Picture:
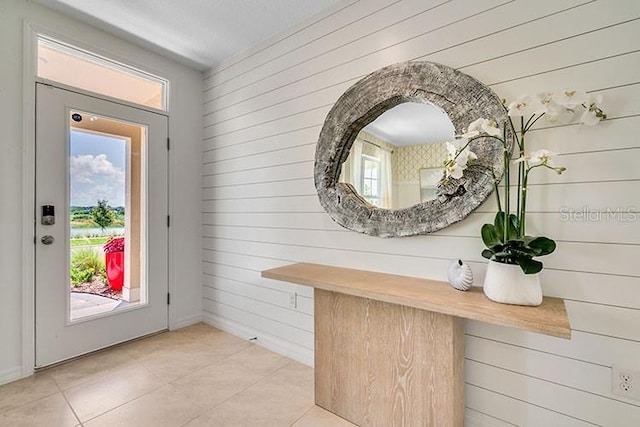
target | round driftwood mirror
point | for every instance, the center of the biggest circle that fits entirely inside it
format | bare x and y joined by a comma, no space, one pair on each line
379,157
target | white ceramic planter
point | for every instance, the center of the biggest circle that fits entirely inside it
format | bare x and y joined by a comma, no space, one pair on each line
507,284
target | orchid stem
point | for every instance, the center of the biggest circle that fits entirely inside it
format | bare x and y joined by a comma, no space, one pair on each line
495,186
529,126
521,176
507,159
525,125
524,203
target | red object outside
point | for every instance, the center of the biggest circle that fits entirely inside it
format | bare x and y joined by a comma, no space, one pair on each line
114,263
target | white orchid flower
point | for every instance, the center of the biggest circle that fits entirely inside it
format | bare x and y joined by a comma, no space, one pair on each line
593,113
559,114
537,157
540,157
570,98
476,125
589,118
520,159
542,103
516,108
563,105
463,158
454,170
458,158
452,150
473,129
482,125
555,112
490,127
523,106
548,106
456,152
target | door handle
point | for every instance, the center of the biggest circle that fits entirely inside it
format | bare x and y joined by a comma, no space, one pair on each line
47,239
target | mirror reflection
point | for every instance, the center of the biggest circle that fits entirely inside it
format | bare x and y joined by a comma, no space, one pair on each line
396,161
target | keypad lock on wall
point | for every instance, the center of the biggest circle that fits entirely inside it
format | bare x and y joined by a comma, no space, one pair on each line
48,215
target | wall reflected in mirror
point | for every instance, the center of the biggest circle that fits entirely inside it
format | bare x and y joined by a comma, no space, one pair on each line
396,161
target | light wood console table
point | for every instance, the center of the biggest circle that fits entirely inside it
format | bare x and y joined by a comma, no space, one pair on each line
389,349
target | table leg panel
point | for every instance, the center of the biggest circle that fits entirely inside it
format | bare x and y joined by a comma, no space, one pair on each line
382,364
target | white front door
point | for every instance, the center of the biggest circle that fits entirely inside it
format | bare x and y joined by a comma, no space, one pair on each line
101,184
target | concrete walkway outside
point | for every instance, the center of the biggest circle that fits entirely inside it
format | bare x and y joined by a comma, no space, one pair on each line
83,305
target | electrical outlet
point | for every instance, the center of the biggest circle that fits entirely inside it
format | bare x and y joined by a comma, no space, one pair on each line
293,300
626,382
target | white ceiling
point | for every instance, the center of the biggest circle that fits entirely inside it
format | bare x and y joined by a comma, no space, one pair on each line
200,33
412,123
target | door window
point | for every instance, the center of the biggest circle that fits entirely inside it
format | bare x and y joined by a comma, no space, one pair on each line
106,225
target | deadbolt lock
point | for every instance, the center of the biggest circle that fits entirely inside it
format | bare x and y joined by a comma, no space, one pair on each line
47,239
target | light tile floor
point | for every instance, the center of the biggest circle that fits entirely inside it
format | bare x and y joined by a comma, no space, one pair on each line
196,376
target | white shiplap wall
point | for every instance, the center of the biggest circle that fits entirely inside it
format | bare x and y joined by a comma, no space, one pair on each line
263,114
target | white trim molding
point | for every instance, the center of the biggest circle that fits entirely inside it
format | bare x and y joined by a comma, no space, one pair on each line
28,198
186,321
270,342
11,374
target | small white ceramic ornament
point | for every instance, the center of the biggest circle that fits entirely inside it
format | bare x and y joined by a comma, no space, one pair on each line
460,275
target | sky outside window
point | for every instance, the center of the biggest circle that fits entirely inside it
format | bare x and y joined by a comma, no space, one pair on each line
97,164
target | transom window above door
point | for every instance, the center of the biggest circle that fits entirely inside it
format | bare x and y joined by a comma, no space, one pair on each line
71,66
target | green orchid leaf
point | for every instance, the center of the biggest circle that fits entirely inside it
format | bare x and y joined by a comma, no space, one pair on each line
512,227
503,256
529,265
497,248
498,222
543,245
490,236
524,251
487,253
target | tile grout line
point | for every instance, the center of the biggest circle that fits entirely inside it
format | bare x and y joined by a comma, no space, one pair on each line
303,415
22,405
138,364
99,376
72,410
240,391
163,384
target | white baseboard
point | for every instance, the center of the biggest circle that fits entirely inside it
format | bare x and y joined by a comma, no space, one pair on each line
305,356
11,374
298,353
186,321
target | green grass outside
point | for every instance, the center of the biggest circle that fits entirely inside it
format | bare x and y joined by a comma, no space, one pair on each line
90,224
89,241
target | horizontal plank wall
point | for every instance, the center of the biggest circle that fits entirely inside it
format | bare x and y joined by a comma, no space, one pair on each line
263,112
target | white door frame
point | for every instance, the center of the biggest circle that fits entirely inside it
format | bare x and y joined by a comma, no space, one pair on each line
30,38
